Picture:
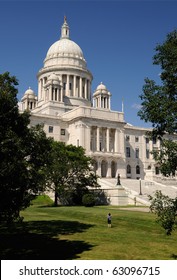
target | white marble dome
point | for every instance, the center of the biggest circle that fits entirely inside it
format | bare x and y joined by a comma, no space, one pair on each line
65,52
65,47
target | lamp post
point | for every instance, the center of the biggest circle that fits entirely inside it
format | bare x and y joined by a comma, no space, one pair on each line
140,187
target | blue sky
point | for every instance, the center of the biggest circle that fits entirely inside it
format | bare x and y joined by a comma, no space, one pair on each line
117,38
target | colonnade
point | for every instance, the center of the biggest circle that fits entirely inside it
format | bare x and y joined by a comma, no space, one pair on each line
102,102
68,85
105,139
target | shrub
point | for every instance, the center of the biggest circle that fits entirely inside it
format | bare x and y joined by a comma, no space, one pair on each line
88,200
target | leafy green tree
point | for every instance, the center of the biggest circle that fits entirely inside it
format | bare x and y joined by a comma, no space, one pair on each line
166,210
166,157
70,173
159,102
23,154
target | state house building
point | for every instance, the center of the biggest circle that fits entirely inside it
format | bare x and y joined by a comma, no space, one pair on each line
72,114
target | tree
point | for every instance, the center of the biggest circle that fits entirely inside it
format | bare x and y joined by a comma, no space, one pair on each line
166,157
166,209
23,154
159,102
70,173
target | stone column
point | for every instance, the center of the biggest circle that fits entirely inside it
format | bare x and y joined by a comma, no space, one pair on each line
87,138
94,139
121,142
85,89
89,91
109,103
61,93
67,85
74,85
116,141
100,102
107,139
82,135
50,93
98,139
40,89
80,87
104,140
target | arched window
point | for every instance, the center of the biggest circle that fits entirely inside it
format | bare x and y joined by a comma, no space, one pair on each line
128,169
104,167
137,169
113,169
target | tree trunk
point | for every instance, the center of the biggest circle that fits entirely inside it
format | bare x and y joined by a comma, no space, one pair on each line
56,199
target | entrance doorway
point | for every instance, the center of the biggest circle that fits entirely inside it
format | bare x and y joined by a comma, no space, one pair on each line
113,169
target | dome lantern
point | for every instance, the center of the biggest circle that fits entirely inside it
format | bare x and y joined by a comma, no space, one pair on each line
65,29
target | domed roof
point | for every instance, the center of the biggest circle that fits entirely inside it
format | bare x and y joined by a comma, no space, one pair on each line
101,87
29,92
65,51
65,47
54,79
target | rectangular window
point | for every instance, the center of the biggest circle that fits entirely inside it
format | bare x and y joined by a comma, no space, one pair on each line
147,153
128,152
137,152
62,131
50,129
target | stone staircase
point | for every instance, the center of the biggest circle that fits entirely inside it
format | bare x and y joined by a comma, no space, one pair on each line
132,190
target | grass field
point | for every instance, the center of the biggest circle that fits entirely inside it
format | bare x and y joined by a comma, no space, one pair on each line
82,233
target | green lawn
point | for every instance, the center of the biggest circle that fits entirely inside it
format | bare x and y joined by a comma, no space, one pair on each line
82,233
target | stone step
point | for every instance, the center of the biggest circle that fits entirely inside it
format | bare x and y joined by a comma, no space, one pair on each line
138,190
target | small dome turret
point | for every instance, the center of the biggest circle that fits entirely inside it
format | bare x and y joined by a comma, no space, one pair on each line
29,99
101,87
53,78
30,93
101,97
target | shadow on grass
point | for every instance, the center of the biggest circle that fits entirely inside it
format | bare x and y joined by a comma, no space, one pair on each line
174,256
41,240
